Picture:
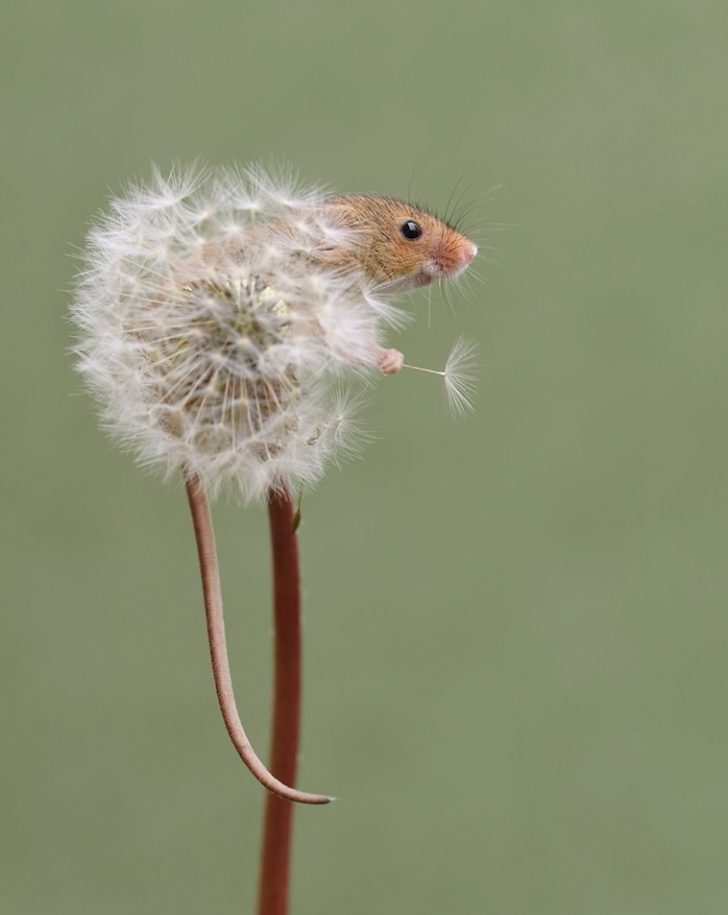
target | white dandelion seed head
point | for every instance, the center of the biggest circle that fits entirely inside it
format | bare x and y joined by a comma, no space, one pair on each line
212,333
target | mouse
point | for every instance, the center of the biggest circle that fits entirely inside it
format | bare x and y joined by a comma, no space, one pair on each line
398,247
392,245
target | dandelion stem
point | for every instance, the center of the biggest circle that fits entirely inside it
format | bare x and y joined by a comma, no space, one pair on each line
278,826
209,571
418,368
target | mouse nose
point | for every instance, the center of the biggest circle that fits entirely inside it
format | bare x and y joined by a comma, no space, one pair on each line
469,252
453,255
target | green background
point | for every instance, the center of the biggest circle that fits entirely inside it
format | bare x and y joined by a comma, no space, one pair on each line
515,623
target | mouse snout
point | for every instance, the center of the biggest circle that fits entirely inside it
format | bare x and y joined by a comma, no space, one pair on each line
455,256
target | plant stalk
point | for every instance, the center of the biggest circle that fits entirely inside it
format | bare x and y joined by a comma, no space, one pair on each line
275,868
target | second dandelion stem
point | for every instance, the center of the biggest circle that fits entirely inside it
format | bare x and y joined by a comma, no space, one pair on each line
278,827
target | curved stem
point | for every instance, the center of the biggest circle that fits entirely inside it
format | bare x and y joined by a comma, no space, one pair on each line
205,537
278,827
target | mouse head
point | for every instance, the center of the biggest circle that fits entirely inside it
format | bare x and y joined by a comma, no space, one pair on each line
397,244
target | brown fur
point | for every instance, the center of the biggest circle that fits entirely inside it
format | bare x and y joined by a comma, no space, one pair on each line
385,255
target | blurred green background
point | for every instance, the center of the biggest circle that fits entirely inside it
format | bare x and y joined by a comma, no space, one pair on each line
515,623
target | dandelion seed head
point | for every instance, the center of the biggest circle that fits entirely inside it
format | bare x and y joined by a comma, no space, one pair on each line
210,337
218,314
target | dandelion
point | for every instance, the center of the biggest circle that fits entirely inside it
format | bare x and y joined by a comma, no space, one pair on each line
212,336
221,316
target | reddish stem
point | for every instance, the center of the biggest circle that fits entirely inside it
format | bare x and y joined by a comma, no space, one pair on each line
274,888
205,537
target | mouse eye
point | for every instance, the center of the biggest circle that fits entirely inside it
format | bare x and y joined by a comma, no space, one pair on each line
411,229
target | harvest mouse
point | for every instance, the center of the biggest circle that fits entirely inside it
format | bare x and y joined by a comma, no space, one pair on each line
399,247
393,245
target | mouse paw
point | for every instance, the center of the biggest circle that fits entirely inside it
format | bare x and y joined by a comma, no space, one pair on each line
390,361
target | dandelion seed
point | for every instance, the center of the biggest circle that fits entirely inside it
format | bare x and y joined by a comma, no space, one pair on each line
460,377
458,374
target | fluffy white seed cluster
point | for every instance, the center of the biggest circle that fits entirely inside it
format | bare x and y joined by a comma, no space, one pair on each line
215,333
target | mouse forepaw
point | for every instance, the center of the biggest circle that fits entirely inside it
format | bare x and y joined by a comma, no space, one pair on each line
390,361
